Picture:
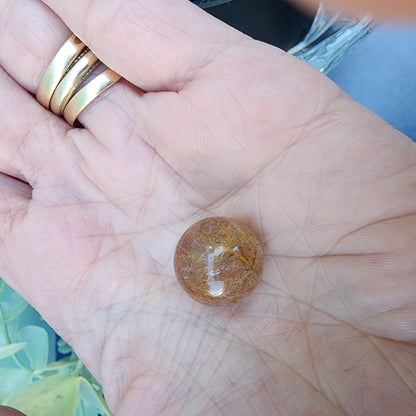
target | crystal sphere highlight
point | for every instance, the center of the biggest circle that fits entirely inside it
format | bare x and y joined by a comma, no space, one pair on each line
218,261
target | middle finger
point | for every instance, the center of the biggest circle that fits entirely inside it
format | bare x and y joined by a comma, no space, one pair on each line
30,36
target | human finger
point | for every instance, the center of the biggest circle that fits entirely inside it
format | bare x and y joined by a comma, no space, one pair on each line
155,44
15,196
29,133
30,37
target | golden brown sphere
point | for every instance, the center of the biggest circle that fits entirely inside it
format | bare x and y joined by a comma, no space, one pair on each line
218,261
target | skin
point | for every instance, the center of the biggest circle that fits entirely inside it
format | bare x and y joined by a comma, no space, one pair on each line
210,123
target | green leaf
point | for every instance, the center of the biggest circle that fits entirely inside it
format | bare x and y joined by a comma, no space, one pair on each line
11,349
13,307
2,284
11,380
52,396
64,348
8,332
85,409
37,346
91,397
62,364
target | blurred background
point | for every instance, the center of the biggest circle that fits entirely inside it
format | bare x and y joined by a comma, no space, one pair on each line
379,71
381,74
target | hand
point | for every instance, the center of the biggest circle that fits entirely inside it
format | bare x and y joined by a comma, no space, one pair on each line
210,123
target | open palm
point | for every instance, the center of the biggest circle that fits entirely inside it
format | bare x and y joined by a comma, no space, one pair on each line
210,123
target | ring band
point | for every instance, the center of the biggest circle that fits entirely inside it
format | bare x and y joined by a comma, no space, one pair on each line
65,57
89,93
71,81
58,89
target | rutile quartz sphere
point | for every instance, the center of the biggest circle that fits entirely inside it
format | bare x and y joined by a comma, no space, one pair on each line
218,261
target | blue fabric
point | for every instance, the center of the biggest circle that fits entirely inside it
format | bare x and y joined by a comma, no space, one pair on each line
381,75
209,3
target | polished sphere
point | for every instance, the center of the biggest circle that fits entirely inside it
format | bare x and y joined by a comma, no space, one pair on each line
218,261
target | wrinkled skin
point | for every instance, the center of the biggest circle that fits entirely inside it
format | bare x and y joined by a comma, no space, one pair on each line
210,123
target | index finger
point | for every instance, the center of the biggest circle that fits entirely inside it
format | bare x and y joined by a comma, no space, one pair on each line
155,44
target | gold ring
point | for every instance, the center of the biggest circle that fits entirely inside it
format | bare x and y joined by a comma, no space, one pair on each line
65,57
89,93
71,81
60,87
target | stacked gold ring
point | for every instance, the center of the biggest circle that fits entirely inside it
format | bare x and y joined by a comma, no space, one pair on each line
59,89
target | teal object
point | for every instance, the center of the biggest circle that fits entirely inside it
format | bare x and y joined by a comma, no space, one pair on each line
32,379
322,41
332,37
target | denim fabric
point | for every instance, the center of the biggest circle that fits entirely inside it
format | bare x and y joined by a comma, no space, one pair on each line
209,3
